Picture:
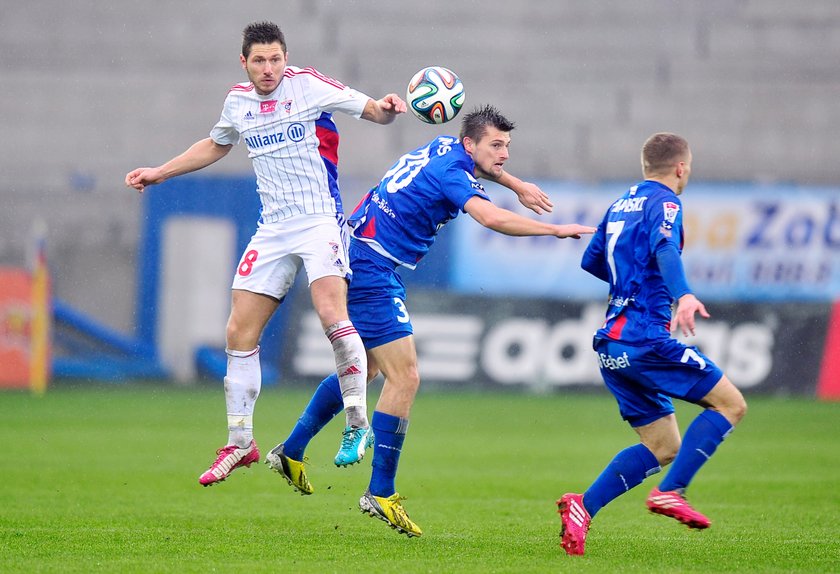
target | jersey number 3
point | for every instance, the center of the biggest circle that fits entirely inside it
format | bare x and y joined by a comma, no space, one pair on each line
402,312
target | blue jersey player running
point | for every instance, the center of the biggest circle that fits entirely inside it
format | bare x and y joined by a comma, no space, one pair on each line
636,249
395,225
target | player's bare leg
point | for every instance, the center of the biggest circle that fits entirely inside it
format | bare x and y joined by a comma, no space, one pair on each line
726,399
662,438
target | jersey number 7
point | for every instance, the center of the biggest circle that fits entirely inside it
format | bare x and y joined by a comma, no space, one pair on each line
614,229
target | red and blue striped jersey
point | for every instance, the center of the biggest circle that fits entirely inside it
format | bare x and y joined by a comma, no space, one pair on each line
423,190
291,139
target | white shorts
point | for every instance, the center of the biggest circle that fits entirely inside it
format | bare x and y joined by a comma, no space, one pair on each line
277,250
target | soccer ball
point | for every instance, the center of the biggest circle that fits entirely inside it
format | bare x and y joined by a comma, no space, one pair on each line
435,95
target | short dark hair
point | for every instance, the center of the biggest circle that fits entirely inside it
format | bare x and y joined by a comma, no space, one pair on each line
663,150
474,125
261,33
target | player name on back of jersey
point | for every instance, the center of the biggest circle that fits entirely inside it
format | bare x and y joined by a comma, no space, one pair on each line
629,204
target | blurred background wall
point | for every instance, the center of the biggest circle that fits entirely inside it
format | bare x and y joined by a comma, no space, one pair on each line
93,89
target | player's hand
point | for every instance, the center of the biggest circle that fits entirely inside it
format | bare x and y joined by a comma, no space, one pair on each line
687,306
574,230
392,104
532,197
143,176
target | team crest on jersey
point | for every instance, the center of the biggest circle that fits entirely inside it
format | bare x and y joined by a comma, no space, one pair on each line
286,105
671,210
268,107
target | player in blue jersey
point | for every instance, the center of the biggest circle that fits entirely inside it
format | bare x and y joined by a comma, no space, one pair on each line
636,249
395,225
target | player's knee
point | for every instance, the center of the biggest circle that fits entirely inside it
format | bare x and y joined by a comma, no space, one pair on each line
667,453
240,337
372,373
329,301
409,378
663,447
331,314
736,411
734,407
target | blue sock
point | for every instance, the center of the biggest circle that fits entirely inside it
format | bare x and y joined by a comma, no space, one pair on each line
627,470
701,440
322,407
390,434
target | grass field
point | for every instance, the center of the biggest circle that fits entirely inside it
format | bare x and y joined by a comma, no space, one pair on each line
104,479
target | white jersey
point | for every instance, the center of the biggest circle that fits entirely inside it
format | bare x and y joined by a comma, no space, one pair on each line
292,140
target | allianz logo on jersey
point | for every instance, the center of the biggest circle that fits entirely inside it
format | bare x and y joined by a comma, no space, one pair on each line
295,132
629,204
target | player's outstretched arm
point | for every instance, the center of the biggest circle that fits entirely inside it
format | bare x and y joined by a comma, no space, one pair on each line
510,223
199,155
529,194
384,110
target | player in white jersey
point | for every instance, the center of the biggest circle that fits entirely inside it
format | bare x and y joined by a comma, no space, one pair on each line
283,115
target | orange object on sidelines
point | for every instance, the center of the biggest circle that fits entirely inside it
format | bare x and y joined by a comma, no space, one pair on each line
39,350
24,328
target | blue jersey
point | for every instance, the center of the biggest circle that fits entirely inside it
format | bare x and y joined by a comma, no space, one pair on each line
623,253
421,192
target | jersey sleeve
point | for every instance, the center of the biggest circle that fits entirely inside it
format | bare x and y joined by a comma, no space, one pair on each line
459,185
664,215
594,261
225,131
333,96
671,267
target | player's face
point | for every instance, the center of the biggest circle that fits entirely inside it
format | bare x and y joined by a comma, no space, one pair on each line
490,152
265,66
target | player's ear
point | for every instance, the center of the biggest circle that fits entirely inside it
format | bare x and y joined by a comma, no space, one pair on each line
243,61
468,144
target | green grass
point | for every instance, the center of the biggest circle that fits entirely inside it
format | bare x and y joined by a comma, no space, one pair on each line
104,479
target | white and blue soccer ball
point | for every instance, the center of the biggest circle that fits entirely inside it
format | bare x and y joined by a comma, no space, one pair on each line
435,95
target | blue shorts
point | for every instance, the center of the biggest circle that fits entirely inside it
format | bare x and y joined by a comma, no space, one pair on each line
376,297
643,379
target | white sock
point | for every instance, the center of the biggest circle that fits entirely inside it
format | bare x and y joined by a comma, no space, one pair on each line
242,387
351,366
